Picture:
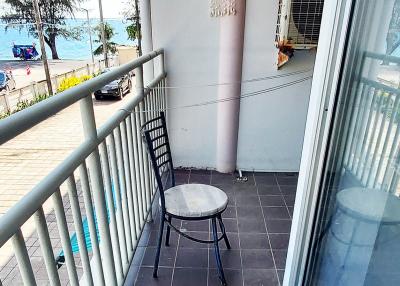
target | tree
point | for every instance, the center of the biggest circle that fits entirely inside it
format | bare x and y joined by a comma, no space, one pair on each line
111,46
134,29
53,14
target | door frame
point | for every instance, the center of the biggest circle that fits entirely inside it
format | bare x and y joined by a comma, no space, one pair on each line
331,47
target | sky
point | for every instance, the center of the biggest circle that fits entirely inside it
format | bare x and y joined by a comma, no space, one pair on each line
111,8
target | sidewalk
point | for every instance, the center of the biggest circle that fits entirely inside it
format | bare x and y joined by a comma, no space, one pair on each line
28,158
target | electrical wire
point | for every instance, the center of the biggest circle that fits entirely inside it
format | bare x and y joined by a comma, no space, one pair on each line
227,99
238,82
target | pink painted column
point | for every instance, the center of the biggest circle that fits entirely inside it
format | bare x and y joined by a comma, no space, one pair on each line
230,71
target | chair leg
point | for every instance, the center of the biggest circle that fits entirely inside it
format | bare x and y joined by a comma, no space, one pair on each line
160,235
168,231
216,251
222,226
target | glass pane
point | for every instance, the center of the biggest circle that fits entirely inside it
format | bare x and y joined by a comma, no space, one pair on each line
357,230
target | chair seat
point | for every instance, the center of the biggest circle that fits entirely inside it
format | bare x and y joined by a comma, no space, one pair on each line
370,204
195,200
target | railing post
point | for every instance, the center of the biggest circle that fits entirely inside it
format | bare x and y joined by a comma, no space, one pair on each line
163,96
21,94
90,133
55,83
33,88
6,100
162,62
140,92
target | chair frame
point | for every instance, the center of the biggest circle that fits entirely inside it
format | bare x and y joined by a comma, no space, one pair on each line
149,129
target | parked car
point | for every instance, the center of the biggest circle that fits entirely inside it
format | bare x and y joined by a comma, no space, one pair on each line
7,81
117,88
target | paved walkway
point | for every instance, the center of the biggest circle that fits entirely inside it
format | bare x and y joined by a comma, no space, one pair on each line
28,158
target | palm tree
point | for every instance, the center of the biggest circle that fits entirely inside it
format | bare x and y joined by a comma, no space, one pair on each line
109,32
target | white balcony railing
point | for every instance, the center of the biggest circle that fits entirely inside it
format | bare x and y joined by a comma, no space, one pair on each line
108,181
372,156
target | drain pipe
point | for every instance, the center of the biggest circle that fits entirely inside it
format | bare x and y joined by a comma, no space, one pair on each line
230,71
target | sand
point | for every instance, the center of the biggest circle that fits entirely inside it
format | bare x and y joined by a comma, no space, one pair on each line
19,69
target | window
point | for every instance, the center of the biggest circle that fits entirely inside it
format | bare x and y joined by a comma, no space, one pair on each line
298,26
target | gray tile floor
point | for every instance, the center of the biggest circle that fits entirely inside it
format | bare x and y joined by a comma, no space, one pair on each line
257,219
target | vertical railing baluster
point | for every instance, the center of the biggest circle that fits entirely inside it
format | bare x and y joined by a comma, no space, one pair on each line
393,117
389,166
383,113
155,113
22,256
396,175
45,245
94,164
123,164
118,250
362,125
163,82
124,143
149,116
371,139
130,222
64,236
87,200
355,145
354,128
147,173
135,191
136,156
77,217
143,156
122,212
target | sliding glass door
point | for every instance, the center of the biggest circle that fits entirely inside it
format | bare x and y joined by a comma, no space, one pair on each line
356,229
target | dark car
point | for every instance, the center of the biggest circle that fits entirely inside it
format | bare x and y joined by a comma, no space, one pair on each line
117,88
7,81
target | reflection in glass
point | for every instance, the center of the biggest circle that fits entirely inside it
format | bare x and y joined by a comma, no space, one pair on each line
357,231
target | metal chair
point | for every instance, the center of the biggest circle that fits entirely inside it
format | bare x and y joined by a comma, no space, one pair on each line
191,202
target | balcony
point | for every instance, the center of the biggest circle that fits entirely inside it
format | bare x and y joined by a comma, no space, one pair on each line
92,219
257,219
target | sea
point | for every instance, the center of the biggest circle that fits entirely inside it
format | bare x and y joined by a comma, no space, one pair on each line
67,48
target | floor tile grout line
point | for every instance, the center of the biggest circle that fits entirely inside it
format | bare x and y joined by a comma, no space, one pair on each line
266,228
280,190
141,259
240,246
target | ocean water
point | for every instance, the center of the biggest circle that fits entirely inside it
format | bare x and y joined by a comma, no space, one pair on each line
67,49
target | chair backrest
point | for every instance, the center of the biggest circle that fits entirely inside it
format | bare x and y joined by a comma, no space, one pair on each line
155,136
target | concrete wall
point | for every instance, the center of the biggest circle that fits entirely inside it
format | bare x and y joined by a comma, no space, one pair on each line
271,125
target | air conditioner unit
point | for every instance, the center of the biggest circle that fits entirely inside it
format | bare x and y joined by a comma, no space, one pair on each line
298,26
